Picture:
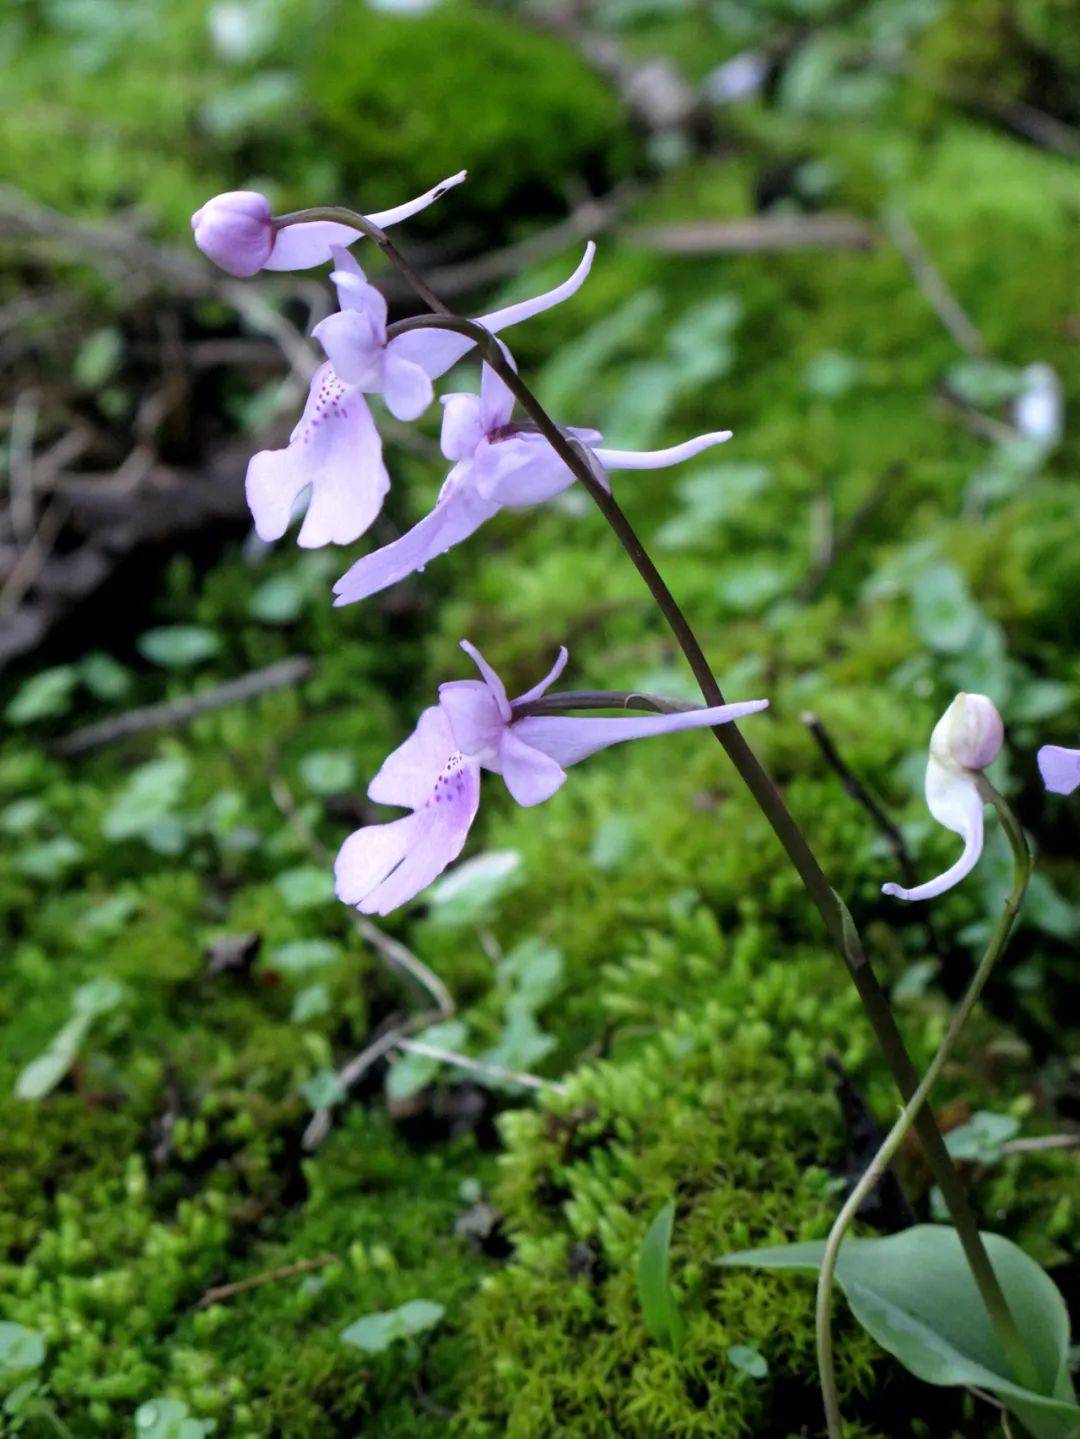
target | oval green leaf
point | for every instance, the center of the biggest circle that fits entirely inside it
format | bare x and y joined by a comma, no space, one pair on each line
913,1292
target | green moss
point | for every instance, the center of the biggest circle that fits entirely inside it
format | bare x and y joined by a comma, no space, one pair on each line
168,1160
318,106
709,1112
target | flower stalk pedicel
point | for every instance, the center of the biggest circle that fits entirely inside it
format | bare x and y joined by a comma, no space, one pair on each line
240,234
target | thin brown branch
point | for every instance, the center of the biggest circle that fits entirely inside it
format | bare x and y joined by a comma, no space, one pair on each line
177,712
932,284
286,1271
854,786
32,559
20,466
497,1072
759,234
1041,1144
838,539
351,1073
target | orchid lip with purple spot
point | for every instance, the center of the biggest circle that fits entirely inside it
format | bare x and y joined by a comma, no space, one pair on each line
436,775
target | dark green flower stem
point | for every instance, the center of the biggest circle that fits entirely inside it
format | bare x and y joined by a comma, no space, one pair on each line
883,1158
833,912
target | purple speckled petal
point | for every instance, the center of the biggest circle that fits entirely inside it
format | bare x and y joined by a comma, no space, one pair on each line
408,775
383,866
354,347
337,451
1060,768
568,739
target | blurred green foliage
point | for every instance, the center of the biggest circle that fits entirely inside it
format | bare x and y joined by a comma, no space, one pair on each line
646,944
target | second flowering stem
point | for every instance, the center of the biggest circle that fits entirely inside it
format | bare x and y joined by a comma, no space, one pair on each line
1016,1355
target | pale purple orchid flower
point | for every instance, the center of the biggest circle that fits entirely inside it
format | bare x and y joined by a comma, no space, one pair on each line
1060,768
497,465
966,739
436,775
237,231
336,448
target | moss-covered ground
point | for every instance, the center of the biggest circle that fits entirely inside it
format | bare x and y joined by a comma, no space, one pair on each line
649,949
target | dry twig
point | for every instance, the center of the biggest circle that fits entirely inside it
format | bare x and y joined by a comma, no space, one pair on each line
932,283
172,713
756,235
854,786
241,1286
497,1072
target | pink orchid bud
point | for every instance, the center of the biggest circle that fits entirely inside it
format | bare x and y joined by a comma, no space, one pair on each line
234,231
969,735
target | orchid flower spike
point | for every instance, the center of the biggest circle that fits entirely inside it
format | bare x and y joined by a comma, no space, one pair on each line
436,775
336,448
496,465
966,739
1060,768
237,231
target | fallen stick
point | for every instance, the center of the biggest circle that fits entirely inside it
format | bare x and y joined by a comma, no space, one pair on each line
755,235
241,1286
178,712
931,282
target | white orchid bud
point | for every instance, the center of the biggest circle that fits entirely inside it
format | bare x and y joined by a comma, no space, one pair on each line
969,735
966,739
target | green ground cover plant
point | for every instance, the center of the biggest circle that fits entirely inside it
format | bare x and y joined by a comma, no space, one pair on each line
685,999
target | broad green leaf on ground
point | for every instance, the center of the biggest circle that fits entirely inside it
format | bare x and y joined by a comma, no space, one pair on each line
522,1045
278,600
147,806
376,1332
305,886
104,677
981,1138
169,1419
178,647
43,695
310,1003
662,1317
913,1292
21,1349
323,1090
328,771
297,956
532,974
748,1360
41,1076
470,892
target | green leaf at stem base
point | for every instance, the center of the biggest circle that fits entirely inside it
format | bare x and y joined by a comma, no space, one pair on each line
913,1292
